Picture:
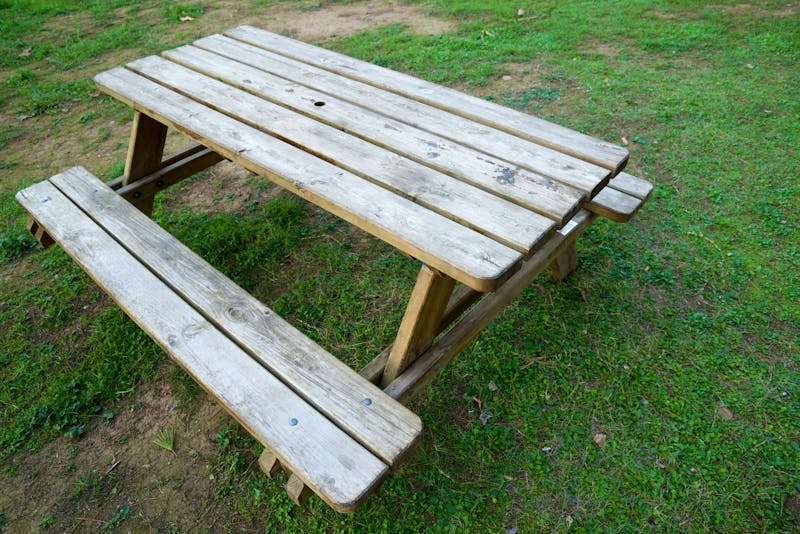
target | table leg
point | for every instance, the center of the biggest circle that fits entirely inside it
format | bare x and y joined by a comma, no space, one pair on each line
565,263
145,151
421,321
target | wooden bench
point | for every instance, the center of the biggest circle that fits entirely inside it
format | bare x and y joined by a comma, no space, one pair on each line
336,432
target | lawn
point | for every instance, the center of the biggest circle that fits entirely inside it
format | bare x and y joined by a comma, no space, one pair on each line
677,338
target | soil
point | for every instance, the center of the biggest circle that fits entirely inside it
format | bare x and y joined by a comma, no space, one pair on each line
117,469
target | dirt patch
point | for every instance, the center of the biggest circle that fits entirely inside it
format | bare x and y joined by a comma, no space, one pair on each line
316,21
83,484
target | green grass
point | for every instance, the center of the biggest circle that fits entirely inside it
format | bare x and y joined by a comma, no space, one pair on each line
691,307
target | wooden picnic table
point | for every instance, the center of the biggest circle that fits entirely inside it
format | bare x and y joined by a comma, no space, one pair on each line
484,196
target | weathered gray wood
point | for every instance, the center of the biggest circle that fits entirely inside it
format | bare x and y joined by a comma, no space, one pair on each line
385,427
421,321
463,254
502,220
569,141
145,151
499,146
490,173
175,157
614,204
632,185
430,363
298,491
333,464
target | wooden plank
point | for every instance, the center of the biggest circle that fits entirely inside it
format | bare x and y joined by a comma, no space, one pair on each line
564,264
430,364
636,187
463,254
385,427
187,153
421,321
495,217
614,204
528,189
462,298
337,467
441,127
145,151
169,175
563,139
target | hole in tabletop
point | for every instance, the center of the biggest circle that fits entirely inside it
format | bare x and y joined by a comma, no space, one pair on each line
319,103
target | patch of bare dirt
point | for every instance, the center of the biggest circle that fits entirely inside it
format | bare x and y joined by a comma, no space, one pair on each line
321,20
83,484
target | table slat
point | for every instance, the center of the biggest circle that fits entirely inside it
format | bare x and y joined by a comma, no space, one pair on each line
463,254
518,185
499,219
563,139
454,128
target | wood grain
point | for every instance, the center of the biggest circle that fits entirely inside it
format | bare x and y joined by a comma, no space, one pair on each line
385,427
440,127
563,139
334,465
460,252
491,215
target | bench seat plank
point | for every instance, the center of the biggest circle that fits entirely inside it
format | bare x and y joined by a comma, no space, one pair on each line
333,464
441,127
387,428
445,245
546,133
491,215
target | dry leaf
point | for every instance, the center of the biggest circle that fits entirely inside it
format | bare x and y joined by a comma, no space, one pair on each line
520,12
600,440
750,66
186,18
493,386
725,413
624,140
25,53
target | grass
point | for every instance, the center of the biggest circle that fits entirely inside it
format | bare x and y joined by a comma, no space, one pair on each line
677,338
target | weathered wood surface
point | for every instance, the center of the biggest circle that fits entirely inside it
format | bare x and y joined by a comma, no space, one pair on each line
498,218
145,150
428,365
328,460
622,198
462,253
387,428
418,121
563,139
421,321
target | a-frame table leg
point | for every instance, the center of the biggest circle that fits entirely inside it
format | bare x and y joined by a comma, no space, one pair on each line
421,321
145,151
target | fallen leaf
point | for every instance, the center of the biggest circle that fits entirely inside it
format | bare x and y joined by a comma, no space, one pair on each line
624,140
186,18
660,463
600,440
569,520
25,53
520,12
750,66
493,386
477,401
725,413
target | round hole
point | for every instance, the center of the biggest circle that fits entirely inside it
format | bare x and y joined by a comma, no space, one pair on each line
319,103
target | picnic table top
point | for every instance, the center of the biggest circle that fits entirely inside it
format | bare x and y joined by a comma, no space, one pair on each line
469,187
